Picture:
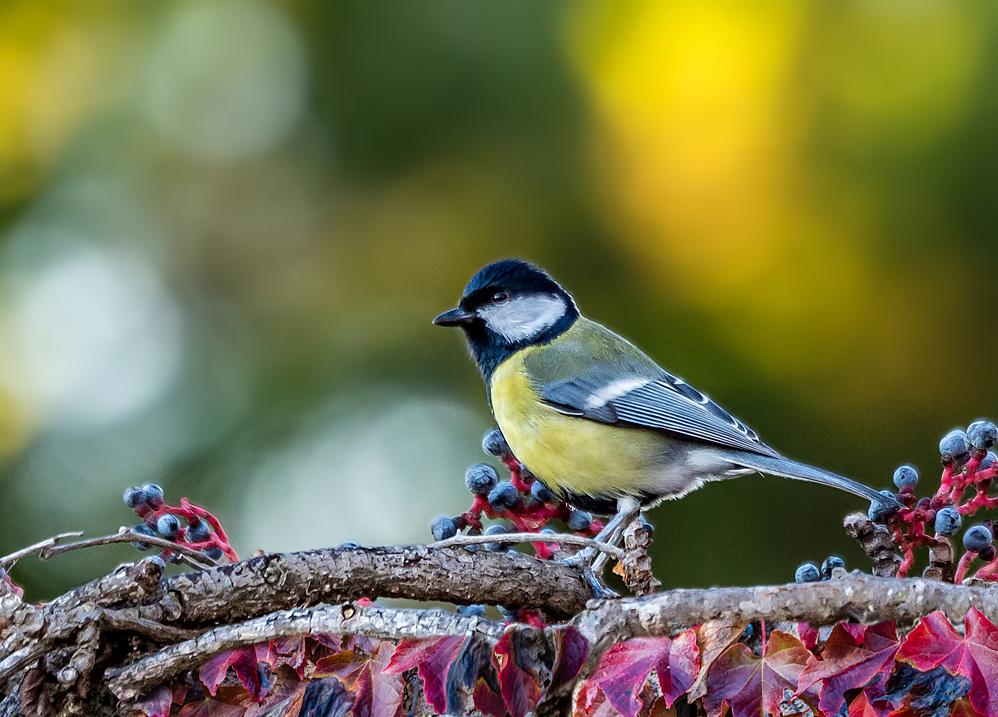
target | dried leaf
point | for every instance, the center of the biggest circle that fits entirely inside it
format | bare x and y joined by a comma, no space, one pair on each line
923,694
524,661
326,697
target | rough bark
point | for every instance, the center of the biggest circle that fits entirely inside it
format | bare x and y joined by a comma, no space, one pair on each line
98,647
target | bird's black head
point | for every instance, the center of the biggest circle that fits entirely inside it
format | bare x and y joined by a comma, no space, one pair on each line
506,306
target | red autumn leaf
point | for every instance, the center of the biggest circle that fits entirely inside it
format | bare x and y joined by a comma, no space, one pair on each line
376,694
573,649
475,673
291,650
227,702
962,708
433,657
808,635
267,652
158,703
752,685
519,657
326,697
284,699
861,707
624,669
600,707
243,662
713,638
333,641
851,659
488,701
934,643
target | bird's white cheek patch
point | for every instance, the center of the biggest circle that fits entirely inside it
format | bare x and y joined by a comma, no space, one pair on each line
523,317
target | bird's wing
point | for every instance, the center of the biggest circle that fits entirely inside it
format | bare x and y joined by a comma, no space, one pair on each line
616,383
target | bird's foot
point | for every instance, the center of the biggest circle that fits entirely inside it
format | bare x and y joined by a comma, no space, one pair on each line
584,560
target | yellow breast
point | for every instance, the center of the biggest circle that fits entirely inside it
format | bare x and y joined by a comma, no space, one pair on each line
569,453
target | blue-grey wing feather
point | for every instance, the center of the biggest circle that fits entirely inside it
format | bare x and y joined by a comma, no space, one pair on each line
665,403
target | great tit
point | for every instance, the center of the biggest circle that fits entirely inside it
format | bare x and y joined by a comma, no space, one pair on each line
591,416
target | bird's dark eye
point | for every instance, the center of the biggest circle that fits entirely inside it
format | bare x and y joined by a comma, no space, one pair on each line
500,296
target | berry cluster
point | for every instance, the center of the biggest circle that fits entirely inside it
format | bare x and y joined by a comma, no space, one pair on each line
523,500
811,573
202,530
968,462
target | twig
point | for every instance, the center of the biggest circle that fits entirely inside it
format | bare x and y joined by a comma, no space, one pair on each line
47,543
127,535
120,621
560,539
140,677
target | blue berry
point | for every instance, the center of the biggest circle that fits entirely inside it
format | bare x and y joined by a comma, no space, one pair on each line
503,496
646,526
830,563
579,521
982,435
807,573
495,445
168,526
443,528
135,496
142,529
541,493
905,475
198,533
988,461
471,610
879,510
215,553
496,547
480,479
954,448
978,538
154,494
948,520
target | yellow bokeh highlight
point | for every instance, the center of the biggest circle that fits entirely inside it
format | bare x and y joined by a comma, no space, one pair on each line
53,57
704,116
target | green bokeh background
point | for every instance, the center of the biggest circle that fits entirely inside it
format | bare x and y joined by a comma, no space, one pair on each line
226,224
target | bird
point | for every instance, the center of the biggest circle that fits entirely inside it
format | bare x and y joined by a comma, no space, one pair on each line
591,416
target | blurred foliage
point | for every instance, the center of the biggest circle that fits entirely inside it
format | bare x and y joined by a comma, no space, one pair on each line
226,224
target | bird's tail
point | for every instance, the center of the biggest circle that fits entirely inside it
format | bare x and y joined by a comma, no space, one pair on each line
786,468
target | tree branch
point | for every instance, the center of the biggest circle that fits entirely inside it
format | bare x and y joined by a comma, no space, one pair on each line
208,612
140,677
854,598
258,586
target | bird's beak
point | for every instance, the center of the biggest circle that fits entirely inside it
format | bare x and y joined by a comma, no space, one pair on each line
454,317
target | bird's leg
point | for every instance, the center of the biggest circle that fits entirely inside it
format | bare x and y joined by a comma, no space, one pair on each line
628,508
